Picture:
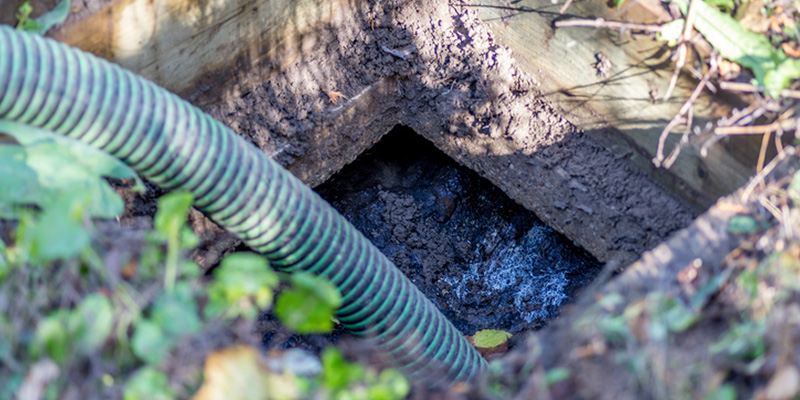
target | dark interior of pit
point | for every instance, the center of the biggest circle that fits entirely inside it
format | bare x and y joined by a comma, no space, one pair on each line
485,261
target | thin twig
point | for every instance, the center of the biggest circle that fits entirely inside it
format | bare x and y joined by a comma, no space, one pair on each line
673,155
786,125
662,140
771,207
565,7
750,88
698,75
602,23
683,49
759,178
741,114
762,153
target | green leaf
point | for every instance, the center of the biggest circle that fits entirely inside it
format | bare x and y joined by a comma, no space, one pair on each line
149,342
59,232
51,338
176,311
53,17
309,305
23,14
337,373
725,392
172,211
91,323
243,281
772,68
60,167
391,385
556,375
794,189
723,4
742,224
248,272
489,338
148,383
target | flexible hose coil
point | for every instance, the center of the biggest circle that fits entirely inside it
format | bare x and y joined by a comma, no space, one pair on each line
46,84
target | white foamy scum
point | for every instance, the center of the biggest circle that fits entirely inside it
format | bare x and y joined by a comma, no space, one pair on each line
535,280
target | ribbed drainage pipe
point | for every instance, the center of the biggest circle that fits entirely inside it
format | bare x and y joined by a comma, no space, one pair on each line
49,85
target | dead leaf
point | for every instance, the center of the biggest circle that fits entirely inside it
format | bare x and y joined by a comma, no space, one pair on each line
791,51
490,343
729,69
129,270
237,373
785,384
40,374
333,96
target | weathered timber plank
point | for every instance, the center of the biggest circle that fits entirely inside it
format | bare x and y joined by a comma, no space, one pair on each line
623,108
194,48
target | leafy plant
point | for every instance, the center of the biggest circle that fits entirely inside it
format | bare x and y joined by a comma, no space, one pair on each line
243,283
58,180
772,68
308,306
42,24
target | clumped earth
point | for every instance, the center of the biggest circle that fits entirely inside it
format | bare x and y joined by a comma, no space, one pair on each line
485,261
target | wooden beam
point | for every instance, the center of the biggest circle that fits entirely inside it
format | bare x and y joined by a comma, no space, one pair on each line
620,102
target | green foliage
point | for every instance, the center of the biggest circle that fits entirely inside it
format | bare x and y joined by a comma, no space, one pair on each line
556,375
725,5
743,341
337,373
489,338
170,224
60,181
148,383
149,342
81,330
55,186
724,392
743,224
243,284
339,378
794,189
173,315
42,24
309,305
773,70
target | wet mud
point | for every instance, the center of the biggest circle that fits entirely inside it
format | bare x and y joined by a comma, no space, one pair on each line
483,259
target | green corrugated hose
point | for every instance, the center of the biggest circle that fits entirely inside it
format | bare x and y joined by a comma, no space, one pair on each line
49,85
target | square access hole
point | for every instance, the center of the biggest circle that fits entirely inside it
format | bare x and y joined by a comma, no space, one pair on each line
484,260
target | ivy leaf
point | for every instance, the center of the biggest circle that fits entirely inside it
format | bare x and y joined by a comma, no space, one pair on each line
556,375
337,373
51,18
91,323
64,234
61,166
170,219
772,68
149,342
51,337
309,305
742,224
490,342
176,311
243,282
148,383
